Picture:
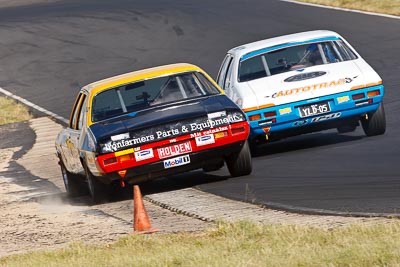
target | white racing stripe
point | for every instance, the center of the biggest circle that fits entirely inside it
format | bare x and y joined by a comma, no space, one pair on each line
32,105
342,9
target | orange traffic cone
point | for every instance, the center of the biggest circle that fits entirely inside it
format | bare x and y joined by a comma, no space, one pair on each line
141,221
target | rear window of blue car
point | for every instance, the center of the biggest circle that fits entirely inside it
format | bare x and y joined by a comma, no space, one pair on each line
152,92
290,58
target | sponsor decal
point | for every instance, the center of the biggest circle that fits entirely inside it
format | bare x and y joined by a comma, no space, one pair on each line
120,137
313,87
177,149
216,114
343,99
156,133
300,123
178,161
117,145
304,76
205,140
284,111
144,154
166,133
211,131
213,123
326,117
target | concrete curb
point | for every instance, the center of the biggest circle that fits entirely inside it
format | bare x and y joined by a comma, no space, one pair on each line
208,207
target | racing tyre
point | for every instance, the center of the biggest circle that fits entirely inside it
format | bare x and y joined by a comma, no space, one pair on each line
97,190
239,164
375,124
72,183
254,148
346,128
215,166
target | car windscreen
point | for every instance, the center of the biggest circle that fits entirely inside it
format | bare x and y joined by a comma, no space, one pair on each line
294,57
152,92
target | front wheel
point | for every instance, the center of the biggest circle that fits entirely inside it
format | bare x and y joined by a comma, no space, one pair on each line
98,191
239,164
375,122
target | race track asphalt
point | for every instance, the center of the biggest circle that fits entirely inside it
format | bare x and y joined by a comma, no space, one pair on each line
49,51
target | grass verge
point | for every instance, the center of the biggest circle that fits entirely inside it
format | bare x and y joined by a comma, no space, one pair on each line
238,244
11,111
391,7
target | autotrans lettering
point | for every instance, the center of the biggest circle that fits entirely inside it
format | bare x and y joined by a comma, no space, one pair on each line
309,88
177,149
175,162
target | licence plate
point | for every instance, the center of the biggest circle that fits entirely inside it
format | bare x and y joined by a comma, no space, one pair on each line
173,150
314,109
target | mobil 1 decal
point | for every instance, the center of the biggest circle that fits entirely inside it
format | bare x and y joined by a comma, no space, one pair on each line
170,130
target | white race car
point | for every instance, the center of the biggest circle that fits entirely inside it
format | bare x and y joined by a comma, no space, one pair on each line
302,83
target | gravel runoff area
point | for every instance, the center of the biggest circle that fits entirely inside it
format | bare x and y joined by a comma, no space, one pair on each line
36,214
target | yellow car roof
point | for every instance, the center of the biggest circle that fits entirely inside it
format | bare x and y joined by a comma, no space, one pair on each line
139,75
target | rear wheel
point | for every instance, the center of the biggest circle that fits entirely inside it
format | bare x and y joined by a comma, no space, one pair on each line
73,184
214,166
375,123
239,164
97,190
253,146
346,128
